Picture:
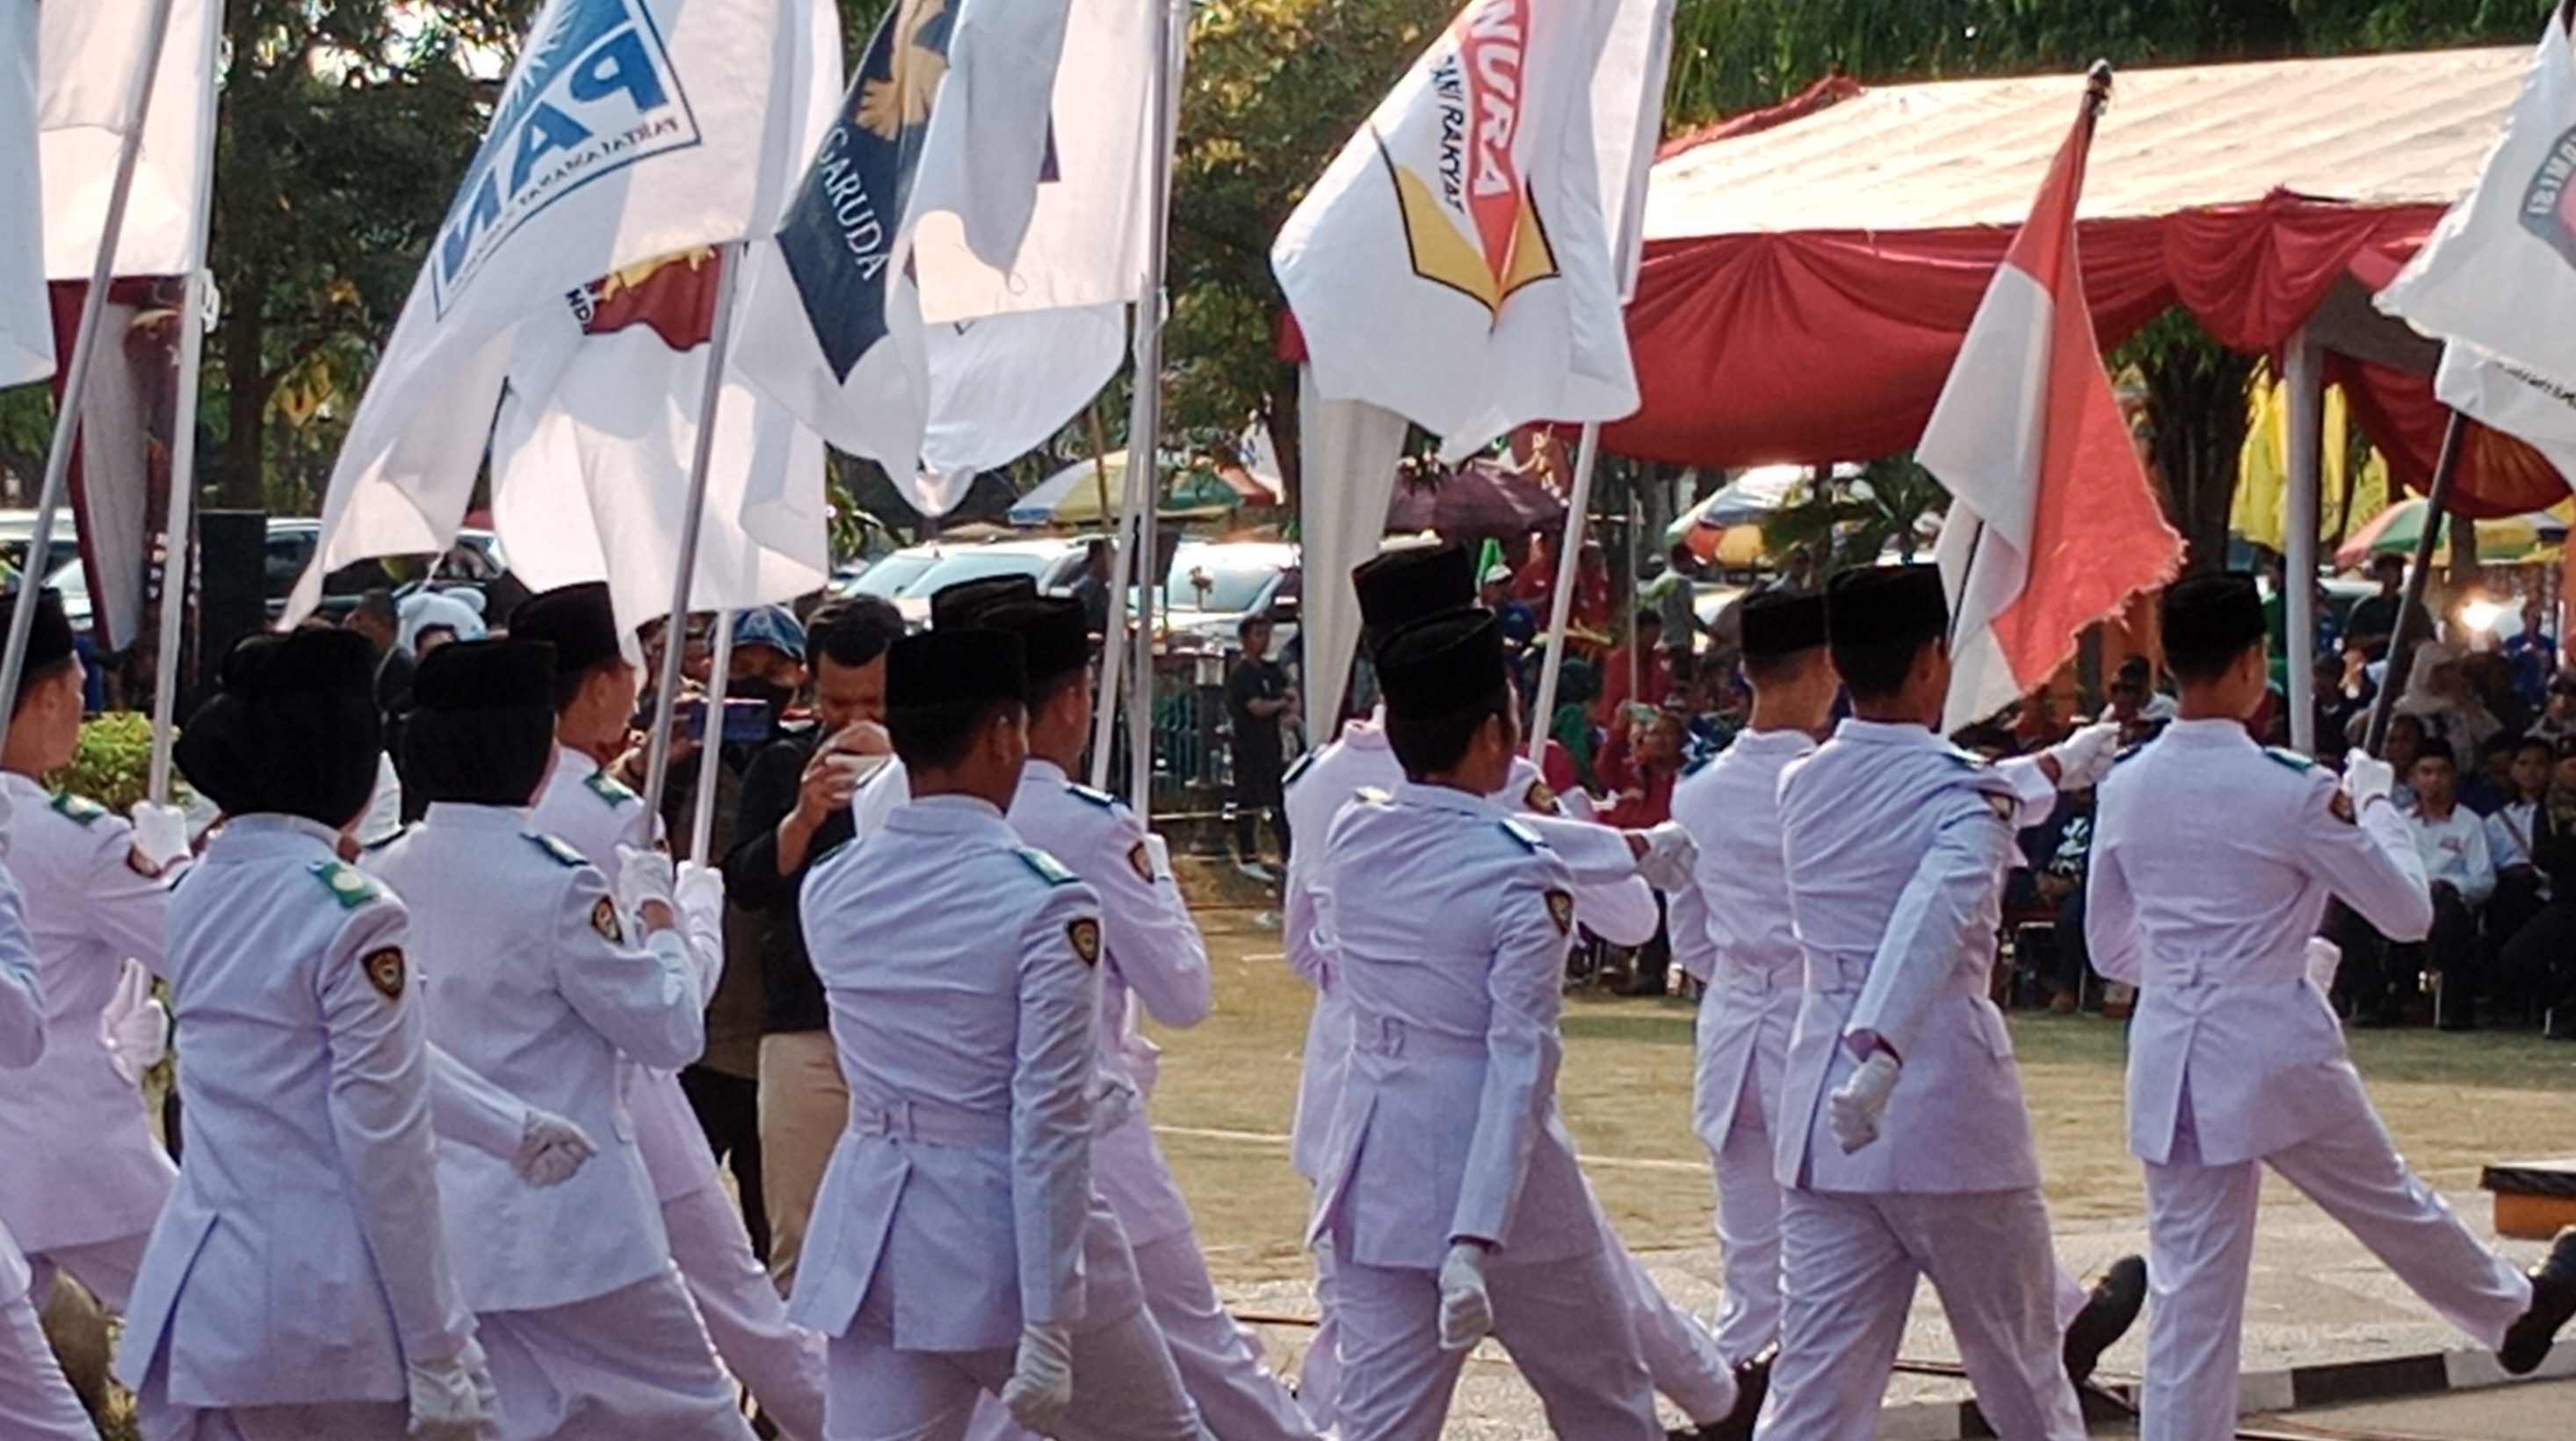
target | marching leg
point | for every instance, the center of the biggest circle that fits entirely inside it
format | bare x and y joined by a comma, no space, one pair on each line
1849,1284
1219,1365
35,1401
1395,1379
1569,1326
1748,1236
2200,1246
781,1365
1988,1255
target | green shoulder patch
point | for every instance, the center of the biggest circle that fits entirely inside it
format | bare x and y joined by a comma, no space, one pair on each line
79,808
1049,869
349,886
1102,799
558,851
1303,763
609,788
2295,761
1528,839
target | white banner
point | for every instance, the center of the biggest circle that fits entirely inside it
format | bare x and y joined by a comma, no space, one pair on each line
26,320
91,49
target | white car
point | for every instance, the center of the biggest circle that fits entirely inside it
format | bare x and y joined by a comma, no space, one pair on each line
1213,585
911,576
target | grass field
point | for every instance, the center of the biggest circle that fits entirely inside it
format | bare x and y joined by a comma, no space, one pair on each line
1229,1088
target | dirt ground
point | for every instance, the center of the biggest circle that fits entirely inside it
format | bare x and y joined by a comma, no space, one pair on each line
1229,1088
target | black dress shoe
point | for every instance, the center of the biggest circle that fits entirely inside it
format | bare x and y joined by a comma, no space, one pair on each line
2553,1302
1752,1383
2107,1316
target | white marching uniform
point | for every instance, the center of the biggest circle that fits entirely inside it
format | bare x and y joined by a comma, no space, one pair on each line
84,1179
36,1403
2212,863
779,1364
1151,955
1447,1127
301,1264
1609,898
530,982
1731,809
958,1205
1896,846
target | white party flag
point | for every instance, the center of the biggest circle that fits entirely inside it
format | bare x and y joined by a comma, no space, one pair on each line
26,320
90,52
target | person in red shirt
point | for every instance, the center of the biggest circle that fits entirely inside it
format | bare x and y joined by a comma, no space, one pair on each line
1652,667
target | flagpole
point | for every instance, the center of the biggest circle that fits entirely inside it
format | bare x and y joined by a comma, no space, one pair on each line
58,458
1560,606
1113,630
1145,419
666,689
702,816
177,528
2437,496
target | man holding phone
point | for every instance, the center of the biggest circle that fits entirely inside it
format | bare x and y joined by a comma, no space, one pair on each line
795,808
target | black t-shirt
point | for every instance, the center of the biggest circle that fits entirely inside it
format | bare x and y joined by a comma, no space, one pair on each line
792,998
1257,740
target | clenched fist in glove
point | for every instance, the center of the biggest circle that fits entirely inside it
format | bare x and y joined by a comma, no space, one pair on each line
1466,1309
447,1402
2085,757
551,1150
1041,1384
2367,778
645,883
1856,1109
160,835
134,1025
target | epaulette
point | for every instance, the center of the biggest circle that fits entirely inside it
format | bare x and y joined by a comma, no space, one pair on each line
380,842
1529,839
609,788
1303,763
349,886
1967,758
1049,869
1102,799
80,809
558,852
2295,761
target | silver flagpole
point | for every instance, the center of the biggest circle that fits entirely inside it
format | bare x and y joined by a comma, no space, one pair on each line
1560,607
1145,420
58,458
178,526
666,689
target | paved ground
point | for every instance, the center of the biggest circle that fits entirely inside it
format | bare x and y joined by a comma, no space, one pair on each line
2541,1411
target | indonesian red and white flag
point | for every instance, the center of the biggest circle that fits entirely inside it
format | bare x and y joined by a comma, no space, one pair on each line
2052,523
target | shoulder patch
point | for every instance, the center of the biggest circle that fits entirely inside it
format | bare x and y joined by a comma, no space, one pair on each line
2339,806
1540,799
1084,934
1528,839
603,919
1140,859
1102,799
2295,761
350,887
2002,805
386,971
1049,869
79,808
609,788
558,851
1304,763
1560,909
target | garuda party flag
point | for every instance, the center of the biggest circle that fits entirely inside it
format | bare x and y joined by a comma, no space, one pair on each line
26,326
2052,523
1457,262
629,130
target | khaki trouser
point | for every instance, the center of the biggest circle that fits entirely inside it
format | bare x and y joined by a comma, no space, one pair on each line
804,1104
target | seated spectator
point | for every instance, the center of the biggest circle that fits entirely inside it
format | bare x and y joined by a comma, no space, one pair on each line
2539,960
2453,843
1519,623
1644,656
2373,621
2487,679
2437,694
2558,718
2532,652
2336,705
2486,789
2140,709
2521,890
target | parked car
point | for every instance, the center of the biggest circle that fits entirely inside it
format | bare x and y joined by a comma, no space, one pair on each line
17,527
475,561
1051,563
1213,585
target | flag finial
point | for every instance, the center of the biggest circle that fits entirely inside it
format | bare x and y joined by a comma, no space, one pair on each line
2097,86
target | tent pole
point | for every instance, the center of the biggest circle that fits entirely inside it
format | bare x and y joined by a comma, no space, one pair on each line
2304,376
58,457
702,815
2436,496
666,687
1560,606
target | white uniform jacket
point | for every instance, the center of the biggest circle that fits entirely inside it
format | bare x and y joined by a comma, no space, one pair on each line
1450,920
531,982
589,810
1731,808
82,1165
1150,954
960,969
1897,845
22,1042
302,1257
2212,862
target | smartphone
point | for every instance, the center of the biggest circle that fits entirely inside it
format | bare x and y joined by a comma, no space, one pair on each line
744,720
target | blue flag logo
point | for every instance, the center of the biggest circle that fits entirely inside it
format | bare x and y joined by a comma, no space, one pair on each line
839,236
598,94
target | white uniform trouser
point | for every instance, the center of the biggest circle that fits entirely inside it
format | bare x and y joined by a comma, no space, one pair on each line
1569,1326
1852,1262
2200,1243
36,1403
779,1364
107,1268
1682,1361
1319,1373
159,1419
1124,1386
632,1363
1748,1231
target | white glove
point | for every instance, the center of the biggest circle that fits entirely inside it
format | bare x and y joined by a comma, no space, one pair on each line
2085,757
1159,851
2324,959
134,1025
1669,857
550,1150
1861,1104
1466,1311
2367,778
701,890
1041,1384
446,1403
644,877
1114,1101
160,834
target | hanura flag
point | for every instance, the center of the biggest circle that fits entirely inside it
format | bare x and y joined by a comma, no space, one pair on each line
629,130
91,51
946,132
2052,523
2509,396
591,455
1456,263
26,324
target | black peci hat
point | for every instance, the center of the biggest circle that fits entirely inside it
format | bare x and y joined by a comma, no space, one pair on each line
578,620
293,728
1886,605
2213,615
965,602
475,675
1055,635
1411,582
49,633
1443,665
481,729
962,666
1778,623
